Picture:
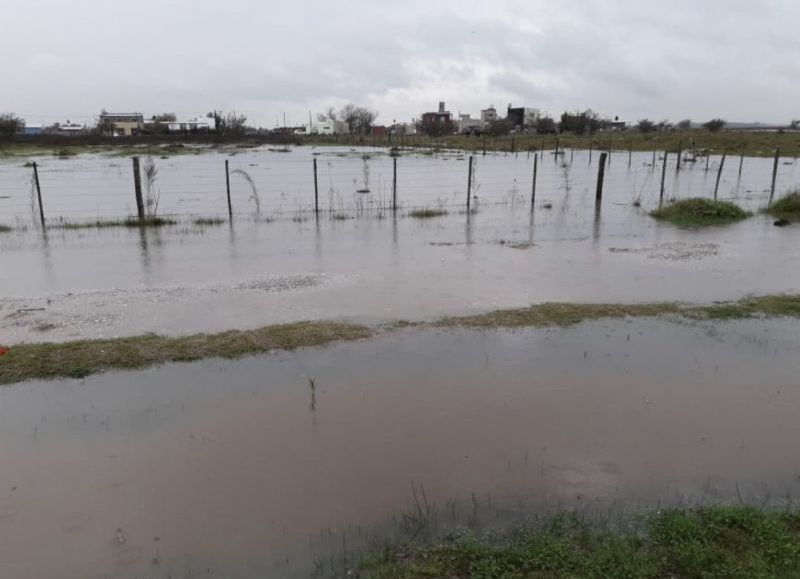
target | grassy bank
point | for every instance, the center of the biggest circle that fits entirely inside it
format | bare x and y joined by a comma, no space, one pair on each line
85,357
719,541
699,212
752,143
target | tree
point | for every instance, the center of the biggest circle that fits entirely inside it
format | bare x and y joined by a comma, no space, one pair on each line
230,124
165,118
359,119
581,123
10,124
646,126
545,125
685,125
499,127
714,125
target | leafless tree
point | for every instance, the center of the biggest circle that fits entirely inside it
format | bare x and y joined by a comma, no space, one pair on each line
10,124
359,119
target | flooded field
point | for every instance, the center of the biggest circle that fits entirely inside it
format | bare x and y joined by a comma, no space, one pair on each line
359,260
265,466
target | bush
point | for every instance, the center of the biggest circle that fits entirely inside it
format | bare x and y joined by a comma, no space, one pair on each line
714,125
697,212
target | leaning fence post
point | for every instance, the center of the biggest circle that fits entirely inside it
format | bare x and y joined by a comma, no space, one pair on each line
663,177
137,188
316,189
228,188
601,173
774,174
719,173
591,146
678,160
38,192
469,183
533,185
741,161
394,184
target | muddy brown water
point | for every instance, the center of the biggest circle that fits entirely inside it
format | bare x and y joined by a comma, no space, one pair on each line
232,469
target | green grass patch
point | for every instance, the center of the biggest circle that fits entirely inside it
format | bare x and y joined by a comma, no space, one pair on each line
568,314
109,223
699,212
5,228
81,358
426,213
719,541
84,357
787,207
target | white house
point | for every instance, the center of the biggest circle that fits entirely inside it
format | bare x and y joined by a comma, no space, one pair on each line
198,123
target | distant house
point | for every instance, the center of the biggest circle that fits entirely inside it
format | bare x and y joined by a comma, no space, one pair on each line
469,126
437,123
522,117
122,124
326,127
32,129
488,116
200,123
68,128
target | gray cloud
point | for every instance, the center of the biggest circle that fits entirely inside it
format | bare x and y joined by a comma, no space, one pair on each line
629,58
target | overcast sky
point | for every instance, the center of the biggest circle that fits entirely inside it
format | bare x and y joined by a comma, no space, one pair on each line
67,59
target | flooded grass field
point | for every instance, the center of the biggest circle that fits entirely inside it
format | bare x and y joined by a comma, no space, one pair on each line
289,463
277,263
266,466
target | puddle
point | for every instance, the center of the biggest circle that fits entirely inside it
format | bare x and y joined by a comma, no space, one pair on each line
254,468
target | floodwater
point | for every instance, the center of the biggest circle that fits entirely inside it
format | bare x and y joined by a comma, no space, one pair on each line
277,263
242,469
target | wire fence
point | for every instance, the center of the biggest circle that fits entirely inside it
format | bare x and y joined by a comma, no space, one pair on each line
357,181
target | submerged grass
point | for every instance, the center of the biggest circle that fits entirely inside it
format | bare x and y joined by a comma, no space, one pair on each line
718,541
84,357
108,223
426,213
5,228
206,221
699,212
787,207
568,314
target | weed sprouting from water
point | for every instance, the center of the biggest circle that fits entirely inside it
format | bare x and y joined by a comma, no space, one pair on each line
253,190
208,221
426,213
150,177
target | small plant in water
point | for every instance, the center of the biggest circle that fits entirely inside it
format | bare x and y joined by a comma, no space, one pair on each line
254,192
150,172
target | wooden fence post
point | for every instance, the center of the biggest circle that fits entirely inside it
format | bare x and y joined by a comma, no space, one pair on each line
38,192
394,185
719,173
708,156
630,153
591,146
741,161
228,189
316,188
533,185
555,154
774,174
137,188
469,183
601,172
663,177
678,161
